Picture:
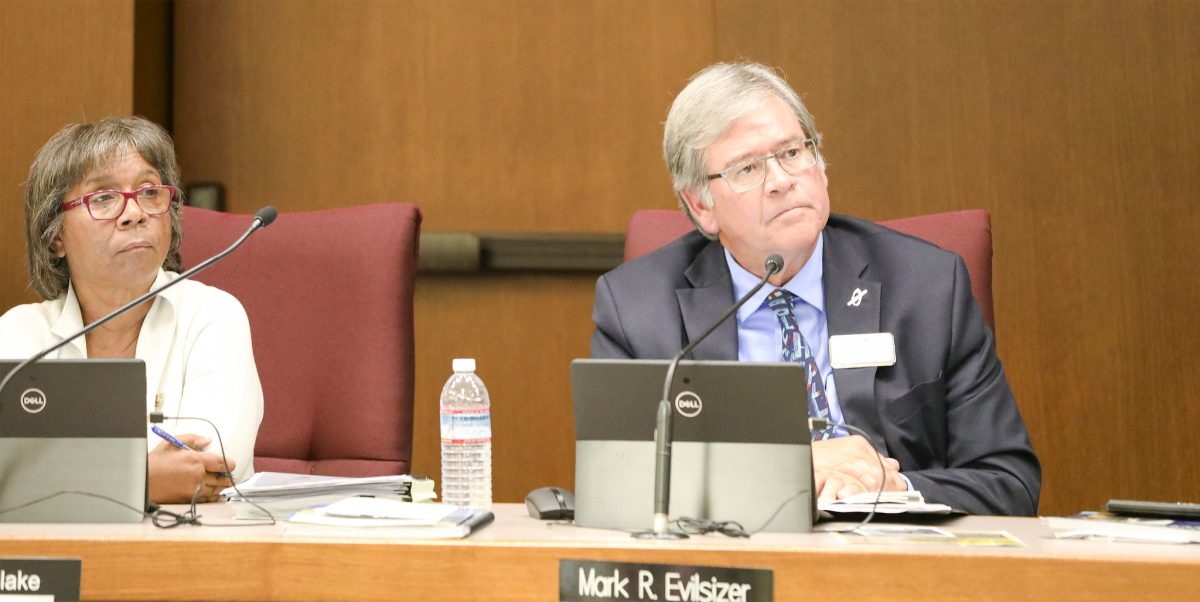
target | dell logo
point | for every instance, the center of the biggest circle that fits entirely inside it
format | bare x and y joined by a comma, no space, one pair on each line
33,401
688,404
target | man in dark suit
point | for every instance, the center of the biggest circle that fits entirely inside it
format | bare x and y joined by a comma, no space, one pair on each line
744,156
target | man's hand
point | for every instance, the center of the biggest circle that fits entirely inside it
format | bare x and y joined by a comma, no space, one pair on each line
175,473
846,466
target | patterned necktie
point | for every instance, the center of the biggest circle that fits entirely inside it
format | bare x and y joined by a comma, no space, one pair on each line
796,350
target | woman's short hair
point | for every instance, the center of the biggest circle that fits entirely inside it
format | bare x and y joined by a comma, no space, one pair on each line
707,107
65,160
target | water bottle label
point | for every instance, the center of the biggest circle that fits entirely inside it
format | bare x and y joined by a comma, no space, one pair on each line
467,425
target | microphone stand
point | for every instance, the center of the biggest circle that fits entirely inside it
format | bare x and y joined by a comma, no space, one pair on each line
663,436
262,219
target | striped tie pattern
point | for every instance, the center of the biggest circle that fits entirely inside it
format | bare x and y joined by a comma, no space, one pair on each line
796,350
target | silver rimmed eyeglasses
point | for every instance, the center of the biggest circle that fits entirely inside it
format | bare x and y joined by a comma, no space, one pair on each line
110,204
751,173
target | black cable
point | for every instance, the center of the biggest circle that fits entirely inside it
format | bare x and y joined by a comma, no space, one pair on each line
774,514
174,518
225,464
695,526
74,492
824,424
156,513
160,517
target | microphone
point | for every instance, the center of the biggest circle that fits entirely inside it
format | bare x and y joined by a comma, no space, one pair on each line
663,436
265,217
261,220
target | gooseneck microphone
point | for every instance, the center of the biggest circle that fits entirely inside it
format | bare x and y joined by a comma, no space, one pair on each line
262,219
663,437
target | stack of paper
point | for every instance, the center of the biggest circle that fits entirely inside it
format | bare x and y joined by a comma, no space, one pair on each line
1099,525
890,502
282,493
375,517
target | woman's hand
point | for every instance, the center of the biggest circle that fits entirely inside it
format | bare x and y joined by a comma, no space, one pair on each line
175,473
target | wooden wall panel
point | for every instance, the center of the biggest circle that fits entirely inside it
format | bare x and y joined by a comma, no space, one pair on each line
60,63
1071,122
522,116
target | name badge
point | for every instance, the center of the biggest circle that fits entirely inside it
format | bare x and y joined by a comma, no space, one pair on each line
862,350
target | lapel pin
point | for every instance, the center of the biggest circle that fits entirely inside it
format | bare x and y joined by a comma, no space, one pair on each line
857,297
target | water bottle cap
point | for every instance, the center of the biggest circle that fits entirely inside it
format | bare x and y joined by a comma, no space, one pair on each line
463,364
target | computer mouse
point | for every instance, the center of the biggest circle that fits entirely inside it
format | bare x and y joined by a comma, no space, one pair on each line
550,503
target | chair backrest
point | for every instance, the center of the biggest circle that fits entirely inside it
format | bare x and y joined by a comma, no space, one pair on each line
967,233
651,229
329,295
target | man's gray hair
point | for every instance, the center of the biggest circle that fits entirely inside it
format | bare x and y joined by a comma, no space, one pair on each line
65,160
705,110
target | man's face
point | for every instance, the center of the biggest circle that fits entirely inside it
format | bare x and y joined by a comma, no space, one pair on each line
784,215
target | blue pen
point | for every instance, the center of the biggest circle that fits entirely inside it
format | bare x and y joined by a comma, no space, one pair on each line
169,438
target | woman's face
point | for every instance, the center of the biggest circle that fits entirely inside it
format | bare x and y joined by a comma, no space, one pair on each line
117,256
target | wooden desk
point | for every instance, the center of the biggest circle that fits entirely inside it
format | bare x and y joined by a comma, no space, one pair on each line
516,558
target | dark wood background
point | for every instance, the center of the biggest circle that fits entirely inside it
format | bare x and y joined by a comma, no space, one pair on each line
1073,123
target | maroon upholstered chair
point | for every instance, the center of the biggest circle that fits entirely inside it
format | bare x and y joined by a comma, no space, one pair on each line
651,229
329,295
968,233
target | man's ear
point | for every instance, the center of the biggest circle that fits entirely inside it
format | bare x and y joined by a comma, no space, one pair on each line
701,212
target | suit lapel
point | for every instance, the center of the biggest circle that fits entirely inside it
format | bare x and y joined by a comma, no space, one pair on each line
845,279
710,294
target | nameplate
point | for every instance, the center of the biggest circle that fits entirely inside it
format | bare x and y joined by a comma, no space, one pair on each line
40,578
592,580
875,349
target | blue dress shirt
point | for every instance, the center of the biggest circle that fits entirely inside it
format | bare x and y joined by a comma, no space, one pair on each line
760,339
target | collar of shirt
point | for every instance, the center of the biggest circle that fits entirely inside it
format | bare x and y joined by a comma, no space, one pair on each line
806,284
70,320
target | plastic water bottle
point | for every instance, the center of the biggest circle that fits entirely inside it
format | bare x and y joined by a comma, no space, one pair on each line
466,439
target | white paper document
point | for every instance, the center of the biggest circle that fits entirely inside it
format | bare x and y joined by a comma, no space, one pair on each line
264,485
1120,530
386,519
890,502
375,508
